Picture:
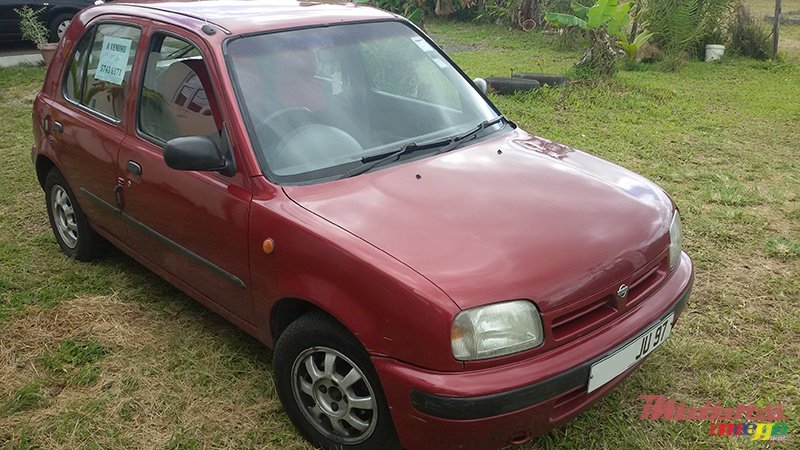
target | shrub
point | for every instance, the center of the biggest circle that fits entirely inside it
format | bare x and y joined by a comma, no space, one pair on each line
497,11
747,37
32,28
680,26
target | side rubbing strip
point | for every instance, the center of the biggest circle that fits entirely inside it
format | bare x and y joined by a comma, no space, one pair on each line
166,241
99,201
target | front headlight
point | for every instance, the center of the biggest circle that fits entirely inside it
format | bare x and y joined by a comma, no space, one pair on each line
675,240
495,330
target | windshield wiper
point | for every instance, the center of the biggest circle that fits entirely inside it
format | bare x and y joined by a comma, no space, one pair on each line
470,134
373,160
447,144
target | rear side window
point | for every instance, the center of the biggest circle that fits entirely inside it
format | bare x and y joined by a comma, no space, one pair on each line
100,69
177,97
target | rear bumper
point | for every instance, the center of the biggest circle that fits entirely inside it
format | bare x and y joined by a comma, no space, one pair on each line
491,408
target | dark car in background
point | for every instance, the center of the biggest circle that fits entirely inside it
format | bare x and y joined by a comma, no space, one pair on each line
56,16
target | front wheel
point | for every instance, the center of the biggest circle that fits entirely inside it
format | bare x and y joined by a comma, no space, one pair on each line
329,388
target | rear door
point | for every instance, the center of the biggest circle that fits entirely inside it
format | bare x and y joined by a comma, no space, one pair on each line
89,118
191,224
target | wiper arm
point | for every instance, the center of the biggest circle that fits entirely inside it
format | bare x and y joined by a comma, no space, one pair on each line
374,160
469,134
447,144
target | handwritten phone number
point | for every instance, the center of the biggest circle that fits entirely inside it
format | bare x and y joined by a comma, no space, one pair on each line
110,70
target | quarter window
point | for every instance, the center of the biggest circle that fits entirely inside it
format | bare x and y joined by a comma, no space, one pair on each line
99,74
177,98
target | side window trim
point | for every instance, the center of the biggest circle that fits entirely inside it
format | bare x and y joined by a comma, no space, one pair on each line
84,73
92,31
85,68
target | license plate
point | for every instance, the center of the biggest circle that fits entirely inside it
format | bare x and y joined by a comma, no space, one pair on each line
634,351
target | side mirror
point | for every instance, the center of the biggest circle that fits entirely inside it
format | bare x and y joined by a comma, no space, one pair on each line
196,153
480,83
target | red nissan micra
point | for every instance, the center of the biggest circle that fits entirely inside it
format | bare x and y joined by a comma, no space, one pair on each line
428,274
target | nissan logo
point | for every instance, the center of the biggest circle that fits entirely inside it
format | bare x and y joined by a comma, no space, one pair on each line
623,291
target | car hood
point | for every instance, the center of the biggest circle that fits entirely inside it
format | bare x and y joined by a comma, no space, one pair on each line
515,216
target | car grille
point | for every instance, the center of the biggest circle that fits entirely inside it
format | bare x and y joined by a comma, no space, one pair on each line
592,312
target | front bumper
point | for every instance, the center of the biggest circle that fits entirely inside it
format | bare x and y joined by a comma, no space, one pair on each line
492,408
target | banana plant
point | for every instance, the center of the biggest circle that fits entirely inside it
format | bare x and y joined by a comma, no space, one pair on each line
600,21
631,48
610,15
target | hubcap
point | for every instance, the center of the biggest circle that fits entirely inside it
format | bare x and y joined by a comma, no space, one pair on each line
64,216
334,395
62,27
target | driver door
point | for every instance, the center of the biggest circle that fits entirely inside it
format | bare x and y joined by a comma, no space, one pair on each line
193,225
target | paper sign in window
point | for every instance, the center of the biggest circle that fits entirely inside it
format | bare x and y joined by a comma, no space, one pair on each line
113,60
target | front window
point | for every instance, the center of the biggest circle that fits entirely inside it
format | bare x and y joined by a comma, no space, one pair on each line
177,98
321,102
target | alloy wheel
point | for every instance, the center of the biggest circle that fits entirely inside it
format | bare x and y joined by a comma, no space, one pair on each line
64,216
334,395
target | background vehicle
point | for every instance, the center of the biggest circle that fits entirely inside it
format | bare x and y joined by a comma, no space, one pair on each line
56,16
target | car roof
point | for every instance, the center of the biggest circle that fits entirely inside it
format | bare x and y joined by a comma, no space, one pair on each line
247,16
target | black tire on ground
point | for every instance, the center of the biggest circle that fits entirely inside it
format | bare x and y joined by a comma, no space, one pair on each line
505,85
70,227
56,24
542,78
321,393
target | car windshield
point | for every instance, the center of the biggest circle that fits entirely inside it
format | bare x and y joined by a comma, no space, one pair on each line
320,102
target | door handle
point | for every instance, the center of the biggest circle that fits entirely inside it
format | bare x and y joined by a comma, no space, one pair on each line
134,168
57,127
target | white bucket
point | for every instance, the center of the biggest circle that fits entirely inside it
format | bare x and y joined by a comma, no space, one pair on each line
714,52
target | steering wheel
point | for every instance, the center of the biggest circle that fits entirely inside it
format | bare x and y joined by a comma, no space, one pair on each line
311,144
276,126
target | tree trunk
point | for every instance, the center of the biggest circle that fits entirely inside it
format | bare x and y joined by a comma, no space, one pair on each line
528,15
776,29
600,58
635,22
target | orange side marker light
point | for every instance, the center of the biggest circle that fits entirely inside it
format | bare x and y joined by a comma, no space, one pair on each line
268,246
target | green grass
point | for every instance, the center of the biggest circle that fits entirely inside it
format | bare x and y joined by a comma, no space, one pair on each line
106,355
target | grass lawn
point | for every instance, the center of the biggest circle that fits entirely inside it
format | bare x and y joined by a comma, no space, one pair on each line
106,355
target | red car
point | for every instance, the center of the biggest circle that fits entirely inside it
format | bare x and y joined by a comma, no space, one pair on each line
428,274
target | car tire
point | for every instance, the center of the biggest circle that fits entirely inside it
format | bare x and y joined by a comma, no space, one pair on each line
321,371
58,25
543,78
505,85
70,227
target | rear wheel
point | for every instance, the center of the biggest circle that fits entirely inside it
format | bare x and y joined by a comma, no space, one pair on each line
70,227
329,388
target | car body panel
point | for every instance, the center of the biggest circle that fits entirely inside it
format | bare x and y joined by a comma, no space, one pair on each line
502,219
421,431
386,304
